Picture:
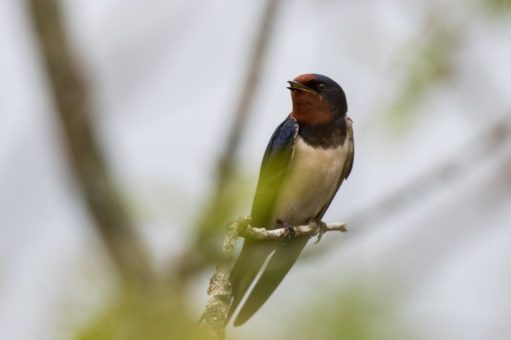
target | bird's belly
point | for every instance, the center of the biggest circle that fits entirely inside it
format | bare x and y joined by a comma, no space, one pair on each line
310,184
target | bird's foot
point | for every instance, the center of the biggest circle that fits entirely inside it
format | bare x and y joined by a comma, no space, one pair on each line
321,228
289,230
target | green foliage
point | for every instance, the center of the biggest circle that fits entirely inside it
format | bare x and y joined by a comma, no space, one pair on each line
358,312
429,65
144,314
498,6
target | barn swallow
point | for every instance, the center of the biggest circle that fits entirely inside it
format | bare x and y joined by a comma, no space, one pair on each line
308,157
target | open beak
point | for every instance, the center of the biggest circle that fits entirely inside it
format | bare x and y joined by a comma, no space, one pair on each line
294,85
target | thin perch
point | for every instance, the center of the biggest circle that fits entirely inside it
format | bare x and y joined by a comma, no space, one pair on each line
220,290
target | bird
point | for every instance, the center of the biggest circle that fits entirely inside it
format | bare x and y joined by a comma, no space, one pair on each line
306,160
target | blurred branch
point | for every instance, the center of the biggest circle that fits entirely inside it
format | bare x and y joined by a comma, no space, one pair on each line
464,160
251,84
219,290
73,111
220,204
461,162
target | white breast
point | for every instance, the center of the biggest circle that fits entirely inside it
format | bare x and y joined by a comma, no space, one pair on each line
311,182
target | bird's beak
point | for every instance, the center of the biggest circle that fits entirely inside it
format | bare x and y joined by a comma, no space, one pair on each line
294,85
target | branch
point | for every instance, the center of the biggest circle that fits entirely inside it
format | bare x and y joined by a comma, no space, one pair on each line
220,290
313,229
251,83
73,112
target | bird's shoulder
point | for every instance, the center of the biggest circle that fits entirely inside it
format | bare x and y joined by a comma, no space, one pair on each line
283,137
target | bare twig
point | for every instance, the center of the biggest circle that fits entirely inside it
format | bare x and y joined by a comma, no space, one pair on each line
220,290
73,111
312,229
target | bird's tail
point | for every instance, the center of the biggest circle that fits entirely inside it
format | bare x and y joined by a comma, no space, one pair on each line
249,263
278,266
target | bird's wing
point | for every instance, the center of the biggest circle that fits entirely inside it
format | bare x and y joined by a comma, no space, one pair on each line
276,160
274,167
348,164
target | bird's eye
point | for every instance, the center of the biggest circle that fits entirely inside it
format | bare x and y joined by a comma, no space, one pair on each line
321,87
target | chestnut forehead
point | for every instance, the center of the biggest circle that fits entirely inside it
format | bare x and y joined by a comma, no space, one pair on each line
305,78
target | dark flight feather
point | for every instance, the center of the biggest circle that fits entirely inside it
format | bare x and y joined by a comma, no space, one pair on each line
273,170
277,268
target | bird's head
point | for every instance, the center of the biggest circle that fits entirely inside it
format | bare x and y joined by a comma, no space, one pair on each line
317,99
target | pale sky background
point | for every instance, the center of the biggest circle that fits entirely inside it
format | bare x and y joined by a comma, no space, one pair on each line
164,75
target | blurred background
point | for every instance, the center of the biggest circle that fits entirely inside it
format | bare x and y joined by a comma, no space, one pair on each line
131,132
